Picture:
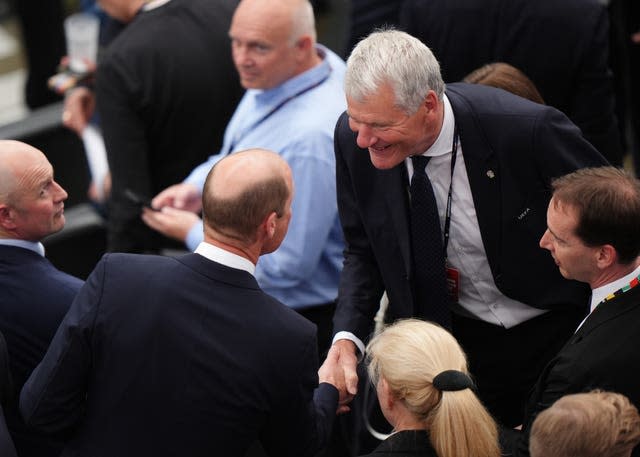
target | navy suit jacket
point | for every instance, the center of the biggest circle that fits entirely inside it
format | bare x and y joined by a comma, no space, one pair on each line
602,355
563,46
35,297
512,148
179,357
7,448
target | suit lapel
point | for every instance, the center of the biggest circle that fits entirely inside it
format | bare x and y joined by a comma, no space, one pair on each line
395,186
602,314
484,176
607,311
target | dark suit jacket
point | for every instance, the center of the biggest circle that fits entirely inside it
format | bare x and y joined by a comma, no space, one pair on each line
6,444
562,46
166,88
406,443
602,354
179,357
35,297
512,148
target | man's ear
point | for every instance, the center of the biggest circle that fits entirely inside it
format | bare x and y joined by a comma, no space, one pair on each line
304,44
606,256
7,217
431,101
270,224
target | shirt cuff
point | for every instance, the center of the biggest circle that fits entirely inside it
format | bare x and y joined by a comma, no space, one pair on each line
195,236
351,337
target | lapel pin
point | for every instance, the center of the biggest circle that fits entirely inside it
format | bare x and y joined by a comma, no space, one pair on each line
491,174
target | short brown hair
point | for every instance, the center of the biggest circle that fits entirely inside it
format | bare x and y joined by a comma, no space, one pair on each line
238,217
594,424
607,200
507,77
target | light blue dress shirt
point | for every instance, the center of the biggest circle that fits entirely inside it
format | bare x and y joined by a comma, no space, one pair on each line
34,246
305,270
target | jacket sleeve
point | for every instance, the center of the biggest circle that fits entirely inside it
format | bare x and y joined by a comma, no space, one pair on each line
361,285
303,419
53,398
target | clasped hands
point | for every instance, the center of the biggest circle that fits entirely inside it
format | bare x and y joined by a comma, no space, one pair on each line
339,369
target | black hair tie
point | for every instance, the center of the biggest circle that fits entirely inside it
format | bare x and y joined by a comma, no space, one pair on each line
453,380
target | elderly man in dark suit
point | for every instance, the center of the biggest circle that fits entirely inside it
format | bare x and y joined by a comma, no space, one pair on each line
35,295
188,356
562,46
507,304
592,235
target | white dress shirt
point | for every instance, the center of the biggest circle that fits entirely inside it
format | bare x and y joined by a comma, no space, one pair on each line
223,257
479,296
602,292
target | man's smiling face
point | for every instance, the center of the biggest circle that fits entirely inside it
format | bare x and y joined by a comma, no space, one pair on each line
389,133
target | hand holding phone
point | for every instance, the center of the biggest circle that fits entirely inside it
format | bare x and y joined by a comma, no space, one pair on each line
138,199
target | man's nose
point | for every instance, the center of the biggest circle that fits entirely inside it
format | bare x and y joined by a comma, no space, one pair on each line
544,241
241,56
366,137
59,193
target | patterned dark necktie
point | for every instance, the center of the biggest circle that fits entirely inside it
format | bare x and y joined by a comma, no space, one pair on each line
430,282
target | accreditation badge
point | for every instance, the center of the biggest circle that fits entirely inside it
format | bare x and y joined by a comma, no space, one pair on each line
453,283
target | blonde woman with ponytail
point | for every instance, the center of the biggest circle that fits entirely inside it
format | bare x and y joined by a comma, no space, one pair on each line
426,394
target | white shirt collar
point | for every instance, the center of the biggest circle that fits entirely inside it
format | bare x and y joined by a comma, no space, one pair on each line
34,246
154,4
227,258
602,292
444,142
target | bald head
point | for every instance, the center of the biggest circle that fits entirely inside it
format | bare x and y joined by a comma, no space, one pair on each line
242,190
16,159
272,41
31,202
295,17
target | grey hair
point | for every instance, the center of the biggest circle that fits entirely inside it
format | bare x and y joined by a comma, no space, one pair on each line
398,59
303,22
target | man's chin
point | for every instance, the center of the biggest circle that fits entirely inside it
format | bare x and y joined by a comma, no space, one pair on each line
59,223
250,83
382,161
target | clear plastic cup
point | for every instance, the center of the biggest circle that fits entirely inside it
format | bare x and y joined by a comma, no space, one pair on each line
81,32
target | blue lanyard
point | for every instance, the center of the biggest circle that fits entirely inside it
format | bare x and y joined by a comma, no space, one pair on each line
273,110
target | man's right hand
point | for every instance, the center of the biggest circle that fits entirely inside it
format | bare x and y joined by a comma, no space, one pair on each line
343,361
79,104
181,196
